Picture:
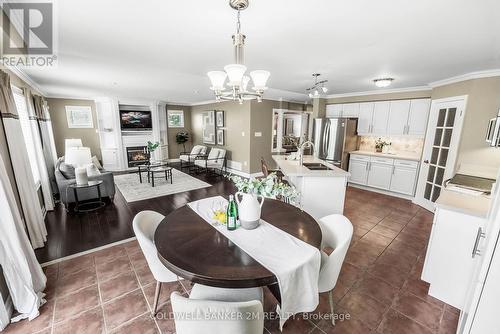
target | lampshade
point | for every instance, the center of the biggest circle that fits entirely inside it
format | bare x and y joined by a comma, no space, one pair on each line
78,156
217,78
235,73
69,143
244,82
260,78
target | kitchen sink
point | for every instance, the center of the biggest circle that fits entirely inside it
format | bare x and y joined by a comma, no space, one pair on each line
316,166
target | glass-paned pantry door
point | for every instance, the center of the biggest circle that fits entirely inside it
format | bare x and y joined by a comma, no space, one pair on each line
438,160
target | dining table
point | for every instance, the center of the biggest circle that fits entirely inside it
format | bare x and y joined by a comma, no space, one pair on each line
196,251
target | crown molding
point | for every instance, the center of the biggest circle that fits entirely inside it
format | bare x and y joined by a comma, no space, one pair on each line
382,91
26,78
465,77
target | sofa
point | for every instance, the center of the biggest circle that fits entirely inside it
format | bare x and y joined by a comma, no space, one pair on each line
64,175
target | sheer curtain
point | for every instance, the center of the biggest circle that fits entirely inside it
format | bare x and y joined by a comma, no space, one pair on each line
34,119
23,274
48,143
31,208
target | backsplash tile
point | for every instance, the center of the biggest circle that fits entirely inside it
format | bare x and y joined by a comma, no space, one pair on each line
398,144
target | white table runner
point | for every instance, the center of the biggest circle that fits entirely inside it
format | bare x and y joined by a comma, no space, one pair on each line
295,263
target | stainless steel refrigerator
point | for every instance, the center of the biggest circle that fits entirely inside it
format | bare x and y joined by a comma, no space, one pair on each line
334,138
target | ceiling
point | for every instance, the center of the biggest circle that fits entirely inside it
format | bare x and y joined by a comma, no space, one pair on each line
163,49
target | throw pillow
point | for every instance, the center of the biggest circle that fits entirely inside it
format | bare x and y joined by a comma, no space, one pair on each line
92,170
96,162
67,171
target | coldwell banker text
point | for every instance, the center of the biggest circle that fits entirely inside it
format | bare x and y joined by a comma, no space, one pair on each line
28,34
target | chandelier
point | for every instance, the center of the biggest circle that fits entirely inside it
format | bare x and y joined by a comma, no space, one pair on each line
318,87
237,85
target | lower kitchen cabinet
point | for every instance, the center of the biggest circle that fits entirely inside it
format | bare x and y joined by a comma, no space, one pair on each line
395,175
359,171
403,180
379,175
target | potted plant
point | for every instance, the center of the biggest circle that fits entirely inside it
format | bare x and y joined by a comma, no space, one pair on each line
251,190
379,145
151,148
182,138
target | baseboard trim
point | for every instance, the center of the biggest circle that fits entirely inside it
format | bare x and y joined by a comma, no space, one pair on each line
381,191
69,257
244,174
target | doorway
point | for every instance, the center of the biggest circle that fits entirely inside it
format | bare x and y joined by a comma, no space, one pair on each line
440,149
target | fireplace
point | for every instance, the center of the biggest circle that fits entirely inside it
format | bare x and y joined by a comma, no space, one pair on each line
137,155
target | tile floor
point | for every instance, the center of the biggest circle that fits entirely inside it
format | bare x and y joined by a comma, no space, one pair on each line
112,290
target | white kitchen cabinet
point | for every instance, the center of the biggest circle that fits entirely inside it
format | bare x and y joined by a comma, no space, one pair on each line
417,119
403,180
334,110
398,117
365,118
394,175
358,168
380,117
379,174
449,263
350,110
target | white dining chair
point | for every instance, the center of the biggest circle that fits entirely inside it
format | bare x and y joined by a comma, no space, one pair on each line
337,233
204,292
145,224
194,316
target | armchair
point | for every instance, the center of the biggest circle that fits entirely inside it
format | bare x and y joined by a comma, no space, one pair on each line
215,161
187,158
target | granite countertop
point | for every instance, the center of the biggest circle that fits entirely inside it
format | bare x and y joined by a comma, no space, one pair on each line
464,203
396,155
292,167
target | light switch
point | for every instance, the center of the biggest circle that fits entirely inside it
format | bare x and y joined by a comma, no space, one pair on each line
258,134
243,133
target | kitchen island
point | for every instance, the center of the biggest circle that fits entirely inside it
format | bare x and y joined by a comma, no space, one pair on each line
322,186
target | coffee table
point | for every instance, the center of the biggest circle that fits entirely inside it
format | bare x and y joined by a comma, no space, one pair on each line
153,172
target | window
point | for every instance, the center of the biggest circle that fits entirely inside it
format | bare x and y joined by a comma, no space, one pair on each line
22,110
175,118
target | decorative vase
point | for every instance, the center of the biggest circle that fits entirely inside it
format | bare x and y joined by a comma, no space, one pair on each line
249,209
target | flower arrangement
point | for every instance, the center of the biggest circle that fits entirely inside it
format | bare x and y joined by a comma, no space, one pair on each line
379,144
152,146
267,187
181,138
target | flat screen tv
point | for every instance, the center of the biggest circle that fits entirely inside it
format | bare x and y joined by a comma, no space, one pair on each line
136,120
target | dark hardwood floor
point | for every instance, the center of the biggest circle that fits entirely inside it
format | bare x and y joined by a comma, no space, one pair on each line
71,233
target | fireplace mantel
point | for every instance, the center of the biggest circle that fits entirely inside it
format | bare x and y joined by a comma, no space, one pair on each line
114,142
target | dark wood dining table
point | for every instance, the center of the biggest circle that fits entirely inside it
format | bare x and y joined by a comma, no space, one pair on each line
193,249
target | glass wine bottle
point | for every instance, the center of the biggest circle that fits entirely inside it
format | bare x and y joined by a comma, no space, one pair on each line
231,214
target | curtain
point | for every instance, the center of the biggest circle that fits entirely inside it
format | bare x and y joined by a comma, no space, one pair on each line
48,143
32,210
23,274
36,117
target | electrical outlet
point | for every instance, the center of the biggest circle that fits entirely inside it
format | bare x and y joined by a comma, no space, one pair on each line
243,133
258,134
244,163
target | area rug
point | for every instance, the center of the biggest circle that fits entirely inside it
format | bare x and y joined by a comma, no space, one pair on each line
133,190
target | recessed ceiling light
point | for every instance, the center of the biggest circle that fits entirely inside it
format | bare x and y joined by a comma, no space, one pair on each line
383,82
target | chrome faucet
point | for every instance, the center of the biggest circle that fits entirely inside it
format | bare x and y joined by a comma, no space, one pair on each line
305,144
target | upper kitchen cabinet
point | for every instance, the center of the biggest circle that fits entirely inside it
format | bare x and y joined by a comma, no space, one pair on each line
365,118
334,110
380,117
417,120
408,117
350,110
398,117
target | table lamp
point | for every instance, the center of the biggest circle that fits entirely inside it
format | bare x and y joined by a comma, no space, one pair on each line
73,142
79,157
